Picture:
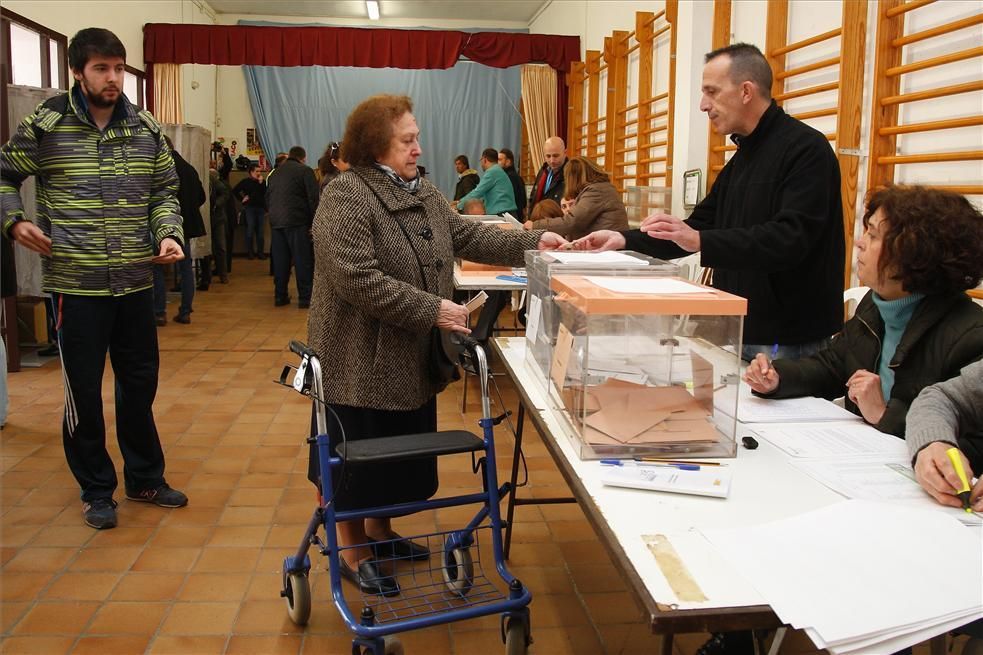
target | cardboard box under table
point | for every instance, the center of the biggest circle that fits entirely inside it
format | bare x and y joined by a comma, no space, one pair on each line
638,362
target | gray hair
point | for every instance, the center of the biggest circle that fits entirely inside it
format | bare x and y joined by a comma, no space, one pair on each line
746,64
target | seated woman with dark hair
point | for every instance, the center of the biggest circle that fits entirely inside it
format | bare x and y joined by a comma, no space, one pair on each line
545,210
920,251
597,204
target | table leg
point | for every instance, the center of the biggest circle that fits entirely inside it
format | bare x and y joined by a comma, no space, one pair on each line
776,643
667,644
516,453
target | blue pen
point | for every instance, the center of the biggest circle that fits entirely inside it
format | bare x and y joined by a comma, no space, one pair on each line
681,467
774,351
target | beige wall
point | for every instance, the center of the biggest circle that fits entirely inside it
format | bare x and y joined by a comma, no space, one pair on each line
126,20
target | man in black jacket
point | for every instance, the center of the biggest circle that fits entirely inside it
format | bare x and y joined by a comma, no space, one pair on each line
506,159
291,198
772,225
191,196
467,177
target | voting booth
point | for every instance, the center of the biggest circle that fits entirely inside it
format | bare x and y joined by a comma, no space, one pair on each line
644,364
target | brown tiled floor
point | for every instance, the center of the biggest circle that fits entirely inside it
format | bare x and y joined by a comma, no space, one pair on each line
205,579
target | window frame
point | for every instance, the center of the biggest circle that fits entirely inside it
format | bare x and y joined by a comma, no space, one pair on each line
47,36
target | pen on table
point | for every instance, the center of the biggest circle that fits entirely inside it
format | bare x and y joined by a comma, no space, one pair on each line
957,463
658,460
681,467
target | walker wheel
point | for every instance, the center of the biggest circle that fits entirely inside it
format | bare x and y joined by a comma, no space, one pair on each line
393,646
516,639
298,595
458,570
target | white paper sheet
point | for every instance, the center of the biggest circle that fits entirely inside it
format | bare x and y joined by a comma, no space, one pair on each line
752,409
882,479
803,565
831,439
649,285
708,481
595,258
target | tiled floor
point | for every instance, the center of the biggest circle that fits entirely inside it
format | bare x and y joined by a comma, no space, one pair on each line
206,578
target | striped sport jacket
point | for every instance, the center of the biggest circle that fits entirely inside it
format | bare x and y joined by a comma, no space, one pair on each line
105,198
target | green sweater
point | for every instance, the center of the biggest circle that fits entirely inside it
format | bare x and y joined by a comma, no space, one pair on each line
495,188
106,198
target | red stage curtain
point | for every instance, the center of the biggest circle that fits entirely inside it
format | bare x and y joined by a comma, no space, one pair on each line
235,45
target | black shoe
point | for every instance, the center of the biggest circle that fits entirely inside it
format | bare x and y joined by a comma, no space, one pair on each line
162,496
303,304
49,351
250,256
161,320
100,513
728,643
369,579
183,318
398,548
202,287
280,302
262,255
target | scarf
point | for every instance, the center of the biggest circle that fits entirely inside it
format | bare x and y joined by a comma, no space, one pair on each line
411,186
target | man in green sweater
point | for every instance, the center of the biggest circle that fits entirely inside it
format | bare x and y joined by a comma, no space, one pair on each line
495,187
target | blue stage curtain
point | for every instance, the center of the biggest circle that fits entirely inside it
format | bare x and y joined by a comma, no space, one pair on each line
460,110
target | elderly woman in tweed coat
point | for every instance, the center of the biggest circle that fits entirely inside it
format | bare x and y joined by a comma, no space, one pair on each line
378,227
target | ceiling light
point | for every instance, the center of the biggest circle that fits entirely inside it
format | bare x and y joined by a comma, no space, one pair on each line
372,7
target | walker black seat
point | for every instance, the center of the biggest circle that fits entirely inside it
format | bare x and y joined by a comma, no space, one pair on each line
408,446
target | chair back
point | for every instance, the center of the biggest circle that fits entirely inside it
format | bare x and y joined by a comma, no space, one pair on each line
851,298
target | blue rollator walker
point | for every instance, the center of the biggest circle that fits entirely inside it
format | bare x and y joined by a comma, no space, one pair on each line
451,585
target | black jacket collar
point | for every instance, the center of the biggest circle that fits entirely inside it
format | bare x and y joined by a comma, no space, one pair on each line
930,311
769,119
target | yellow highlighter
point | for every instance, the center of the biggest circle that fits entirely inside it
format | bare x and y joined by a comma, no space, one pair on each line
957,463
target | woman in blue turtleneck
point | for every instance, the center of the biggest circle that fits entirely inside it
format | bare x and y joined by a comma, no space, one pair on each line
921,249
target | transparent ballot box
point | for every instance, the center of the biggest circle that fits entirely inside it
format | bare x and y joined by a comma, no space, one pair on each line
542,320
646,366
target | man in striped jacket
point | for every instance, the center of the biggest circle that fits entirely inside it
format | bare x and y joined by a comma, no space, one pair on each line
107,211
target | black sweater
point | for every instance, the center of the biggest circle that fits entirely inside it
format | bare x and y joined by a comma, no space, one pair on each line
772,230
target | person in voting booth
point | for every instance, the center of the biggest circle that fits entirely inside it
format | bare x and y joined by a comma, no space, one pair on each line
386,240
771,226
597,204
919,253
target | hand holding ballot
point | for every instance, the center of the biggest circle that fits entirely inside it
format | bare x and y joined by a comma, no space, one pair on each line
453,317
760,375
600,240
938,477
551,241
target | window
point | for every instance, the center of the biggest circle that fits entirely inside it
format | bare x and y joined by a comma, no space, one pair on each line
135,87
36,55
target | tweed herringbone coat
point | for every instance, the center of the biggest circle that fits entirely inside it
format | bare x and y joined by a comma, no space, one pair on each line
371,312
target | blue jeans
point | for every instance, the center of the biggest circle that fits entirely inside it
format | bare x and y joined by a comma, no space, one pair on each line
292,248
186,271
254,228
794,351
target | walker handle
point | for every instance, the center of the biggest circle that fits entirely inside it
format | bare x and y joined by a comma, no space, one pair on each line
302,349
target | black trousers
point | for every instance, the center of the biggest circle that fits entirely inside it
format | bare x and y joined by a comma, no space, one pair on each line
292,246
123,326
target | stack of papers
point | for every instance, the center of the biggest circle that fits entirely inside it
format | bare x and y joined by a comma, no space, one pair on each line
752,409
653,285
816,572
597,258
831,439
